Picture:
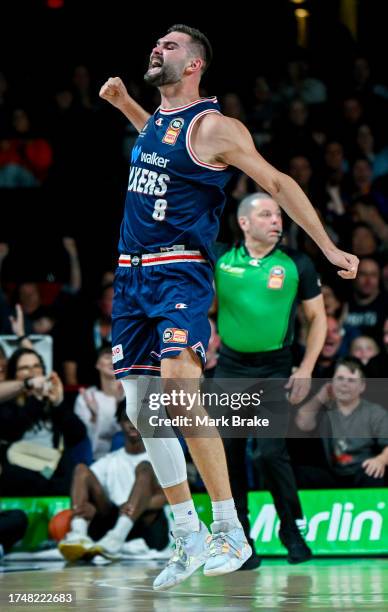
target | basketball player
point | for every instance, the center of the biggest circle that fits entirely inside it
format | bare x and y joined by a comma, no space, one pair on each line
163,284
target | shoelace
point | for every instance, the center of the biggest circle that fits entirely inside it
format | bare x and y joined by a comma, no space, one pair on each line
179,555
217,542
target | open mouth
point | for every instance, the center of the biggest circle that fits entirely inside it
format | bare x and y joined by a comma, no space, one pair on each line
155,63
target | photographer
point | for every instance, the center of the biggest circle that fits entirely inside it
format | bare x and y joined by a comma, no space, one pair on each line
35,424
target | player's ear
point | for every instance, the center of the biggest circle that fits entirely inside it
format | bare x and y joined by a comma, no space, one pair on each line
195,65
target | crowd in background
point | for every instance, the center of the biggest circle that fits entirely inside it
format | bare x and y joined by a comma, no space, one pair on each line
70,146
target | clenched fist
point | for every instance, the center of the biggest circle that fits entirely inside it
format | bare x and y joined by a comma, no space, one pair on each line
115,92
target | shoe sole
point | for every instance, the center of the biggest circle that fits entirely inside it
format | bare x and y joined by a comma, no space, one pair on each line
233,565
194,567
75,552
302,560
98,550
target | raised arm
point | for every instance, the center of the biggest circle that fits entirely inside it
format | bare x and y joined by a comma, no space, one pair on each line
115,92
221,139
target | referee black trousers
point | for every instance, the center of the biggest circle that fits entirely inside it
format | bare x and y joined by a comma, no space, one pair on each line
270,456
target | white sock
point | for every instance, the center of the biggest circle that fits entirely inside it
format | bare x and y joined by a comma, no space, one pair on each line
123,527
79,525
225,511
185,516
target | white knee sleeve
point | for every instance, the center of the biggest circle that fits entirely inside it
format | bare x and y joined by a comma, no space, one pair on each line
166,454
131,399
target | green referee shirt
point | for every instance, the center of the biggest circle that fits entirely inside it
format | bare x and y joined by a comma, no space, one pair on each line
257,298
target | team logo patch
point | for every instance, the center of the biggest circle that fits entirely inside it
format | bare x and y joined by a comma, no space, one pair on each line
172,334
117,353
173,131
159,121
276,277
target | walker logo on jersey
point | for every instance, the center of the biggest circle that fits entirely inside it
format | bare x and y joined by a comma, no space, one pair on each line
179,306
117,353
276,277
135,154
154,159
173,131
159,122
172,334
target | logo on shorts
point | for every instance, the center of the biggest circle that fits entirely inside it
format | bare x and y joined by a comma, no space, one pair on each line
172,334
117,353
180,306
173,131
276,277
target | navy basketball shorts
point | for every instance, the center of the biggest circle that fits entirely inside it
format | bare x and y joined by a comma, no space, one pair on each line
160,307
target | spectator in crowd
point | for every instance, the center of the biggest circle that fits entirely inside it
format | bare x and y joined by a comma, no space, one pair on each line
377,366
263,112
352,427
116,499
364,187
293,135
352,117
364,242
368,304
25,158
97,407
84,96
366,146
33,410
364,348
334,347
300,85
365,210
232,106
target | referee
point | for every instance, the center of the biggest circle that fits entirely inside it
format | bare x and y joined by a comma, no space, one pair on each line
259,285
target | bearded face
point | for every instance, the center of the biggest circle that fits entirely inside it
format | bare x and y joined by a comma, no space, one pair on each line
164,71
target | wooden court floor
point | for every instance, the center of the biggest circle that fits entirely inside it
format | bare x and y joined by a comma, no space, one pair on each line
322,585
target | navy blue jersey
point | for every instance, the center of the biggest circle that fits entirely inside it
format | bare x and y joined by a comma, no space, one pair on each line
173,198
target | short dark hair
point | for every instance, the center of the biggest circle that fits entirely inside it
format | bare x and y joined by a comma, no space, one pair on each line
199,40
352,363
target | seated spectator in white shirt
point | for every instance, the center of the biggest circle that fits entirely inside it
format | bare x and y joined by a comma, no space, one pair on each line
117,499
97,407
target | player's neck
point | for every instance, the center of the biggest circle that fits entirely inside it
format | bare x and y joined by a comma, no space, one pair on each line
178,94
